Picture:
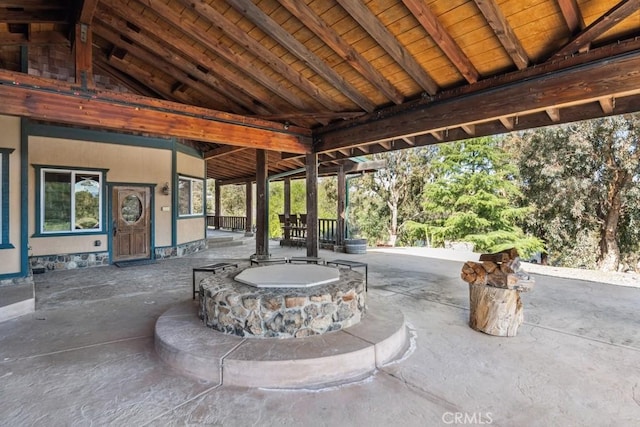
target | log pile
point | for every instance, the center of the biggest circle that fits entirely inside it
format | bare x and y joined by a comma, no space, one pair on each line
495,284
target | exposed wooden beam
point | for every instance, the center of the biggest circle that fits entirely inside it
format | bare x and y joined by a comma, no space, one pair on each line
469,129
315,23
607,104
554,114
576,85
322,115
221,152
135,87
83,47
507,122
504,32
385,144
607,21
32,4
179,53
55,16
217,101
267,56
389,43
409,140
242,62
443,39
45,99
87,11
572,15
34,38
293,46
150,79
437,134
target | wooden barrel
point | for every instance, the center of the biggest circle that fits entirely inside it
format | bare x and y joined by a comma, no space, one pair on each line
355,246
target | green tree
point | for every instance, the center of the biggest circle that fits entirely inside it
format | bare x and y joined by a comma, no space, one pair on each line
474,196
583,181
386,199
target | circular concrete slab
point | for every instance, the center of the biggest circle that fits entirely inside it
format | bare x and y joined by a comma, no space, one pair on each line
288,276
183,342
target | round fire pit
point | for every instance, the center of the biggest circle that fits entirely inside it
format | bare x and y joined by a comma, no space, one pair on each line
282,301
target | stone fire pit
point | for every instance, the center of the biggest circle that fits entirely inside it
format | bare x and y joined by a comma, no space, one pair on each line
282,301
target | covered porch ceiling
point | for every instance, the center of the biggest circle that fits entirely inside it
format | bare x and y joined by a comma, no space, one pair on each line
340,78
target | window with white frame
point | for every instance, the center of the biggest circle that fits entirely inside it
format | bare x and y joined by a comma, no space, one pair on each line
70,201
4,197
190,196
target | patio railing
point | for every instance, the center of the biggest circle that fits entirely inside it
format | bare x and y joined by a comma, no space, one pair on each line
227,222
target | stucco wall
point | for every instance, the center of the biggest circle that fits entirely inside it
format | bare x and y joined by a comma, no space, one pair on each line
190,229
10,259
125,164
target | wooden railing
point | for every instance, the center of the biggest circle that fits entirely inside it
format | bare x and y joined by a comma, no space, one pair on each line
327,229
227,222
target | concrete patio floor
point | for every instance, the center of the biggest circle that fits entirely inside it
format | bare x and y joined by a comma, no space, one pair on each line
86,356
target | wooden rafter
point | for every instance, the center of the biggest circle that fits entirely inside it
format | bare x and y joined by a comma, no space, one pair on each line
507,122
612,77
125,80
607,21
217,101
231,30
504,32
388,42
442,38
572,15
49,38
607,104
469,129
554,114
307,16
241,62
167,45
55,16
87,11
275,31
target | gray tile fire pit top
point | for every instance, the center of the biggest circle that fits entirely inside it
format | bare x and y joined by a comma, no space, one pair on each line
288,276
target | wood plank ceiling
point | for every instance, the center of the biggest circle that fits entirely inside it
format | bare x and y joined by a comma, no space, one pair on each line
343,78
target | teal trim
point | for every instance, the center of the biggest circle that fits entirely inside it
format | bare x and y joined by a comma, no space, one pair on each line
24,198
103,180
52,131
11,276
174,195
4,198
185,149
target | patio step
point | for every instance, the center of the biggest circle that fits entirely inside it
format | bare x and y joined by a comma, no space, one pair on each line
16,301
221,242
183,342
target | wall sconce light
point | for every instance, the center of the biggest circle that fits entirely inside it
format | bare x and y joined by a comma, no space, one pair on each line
165,189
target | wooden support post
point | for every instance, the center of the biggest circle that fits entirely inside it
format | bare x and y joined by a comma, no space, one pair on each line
216,206
262,206
312,205
287,207
248,232
340,223
84,62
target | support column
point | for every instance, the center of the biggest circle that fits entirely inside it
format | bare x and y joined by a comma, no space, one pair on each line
83,52
287,207
262,206
312,204
248,232
340,225
216,206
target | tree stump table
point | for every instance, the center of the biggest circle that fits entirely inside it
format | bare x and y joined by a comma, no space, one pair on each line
495,284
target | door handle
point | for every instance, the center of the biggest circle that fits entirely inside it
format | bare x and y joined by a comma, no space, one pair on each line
115,227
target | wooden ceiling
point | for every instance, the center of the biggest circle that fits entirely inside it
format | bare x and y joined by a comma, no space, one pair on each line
342,78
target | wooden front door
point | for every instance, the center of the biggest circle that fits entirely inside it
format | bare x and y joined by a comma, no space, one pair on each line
131,222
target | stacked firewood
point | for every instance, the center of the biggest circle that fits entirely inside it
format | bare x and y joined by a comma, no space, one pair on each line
495,284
